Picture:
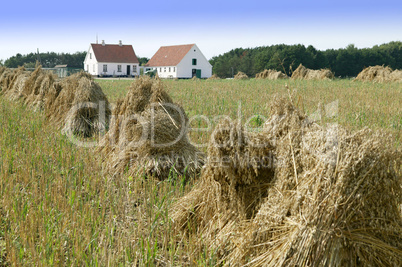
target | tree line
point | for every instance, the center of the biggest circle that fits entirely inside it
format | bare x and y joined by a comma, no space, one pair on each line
47,60
51,59
344,62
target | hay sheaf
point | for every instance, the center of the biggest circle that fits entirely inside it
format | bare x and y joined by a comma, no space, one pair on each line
38,87
214,77
12,82
149,134
338,206
240,76
333,198
379,74
78,105
304,73
232,186
271,75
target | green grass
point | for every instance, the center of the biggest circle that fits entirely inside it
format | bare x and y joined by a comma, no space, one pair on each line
58,208
373,105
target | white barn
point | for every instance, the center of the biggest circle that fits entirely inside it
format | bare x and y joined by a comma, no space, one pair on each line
111,60
180,61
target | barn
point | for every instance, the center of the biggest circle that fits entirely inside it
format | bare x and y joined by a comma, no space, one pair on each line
111,60
180,61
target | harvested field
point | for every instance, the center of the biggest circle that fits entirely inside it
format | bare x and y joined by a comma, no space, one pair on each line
148,134
271,75
278,187
320,175
379,74
308,74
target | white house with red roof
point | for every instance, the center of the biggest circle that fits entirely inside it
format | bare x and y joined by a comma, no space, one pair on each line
111,60
180,61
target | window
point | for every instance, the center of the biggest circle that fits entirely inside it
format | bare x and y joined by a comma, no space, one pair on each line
194,61
164,69
174,69
160,69
134,68
169,69
118,68
105,68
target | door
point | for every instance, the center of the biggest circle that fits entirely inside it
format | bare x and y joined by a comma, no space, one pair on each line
198,74
193,72
128,70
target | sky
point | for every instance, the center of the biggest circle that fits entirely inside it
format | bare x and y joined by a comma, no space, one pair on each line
215,26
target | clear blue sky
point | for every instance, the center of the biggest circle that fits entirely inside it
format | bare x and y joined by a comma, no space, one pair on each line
215,26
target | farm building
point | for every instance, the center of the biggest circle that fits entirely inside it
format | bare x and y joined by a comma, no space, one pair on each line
111,60
64,70
180,61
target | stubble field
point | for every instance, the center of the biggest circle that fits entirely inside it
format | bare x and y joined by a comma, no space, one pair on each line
57,206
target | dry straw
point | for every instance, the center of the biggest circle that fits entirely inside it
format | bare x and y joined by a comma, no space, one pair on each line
271,75
148,134
379,74
232,186
214,77
13,81
240,76
304,73
332,198
78,105
37,87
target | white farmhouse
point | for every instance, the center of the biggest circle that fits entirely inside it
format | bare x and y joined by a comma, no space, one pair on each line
180,61
111,60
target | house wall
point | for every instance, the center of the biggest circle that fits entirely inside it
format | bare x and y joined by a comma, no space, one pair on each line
93,67
163,72
112,68
184,68
90,62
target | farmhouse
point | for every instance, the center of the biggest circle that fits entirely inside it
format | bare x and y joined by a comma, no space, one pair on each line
180,61
111,60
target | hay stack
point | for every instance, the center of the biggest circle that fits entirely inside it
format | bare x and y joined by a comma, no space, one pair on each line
379,74
148,134
38,87
338,206
304,73
233,183
13,83
5,78
396,76
78,104
240,76
214,77
271,75
332,200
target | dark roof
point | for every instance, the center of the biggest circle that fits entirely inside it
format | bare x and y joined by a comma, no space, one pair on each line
169,55
114,53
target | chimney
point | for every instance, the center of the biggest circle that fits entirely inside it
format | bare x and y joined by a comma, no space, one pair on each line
120,43
103,42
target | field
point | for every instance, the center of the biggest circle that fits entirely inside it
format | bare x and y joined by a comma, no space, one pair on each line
372,105
57,206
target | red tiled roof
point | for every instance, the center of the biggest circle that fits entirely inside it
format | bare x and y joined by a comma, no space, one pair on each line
114,53
169,55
